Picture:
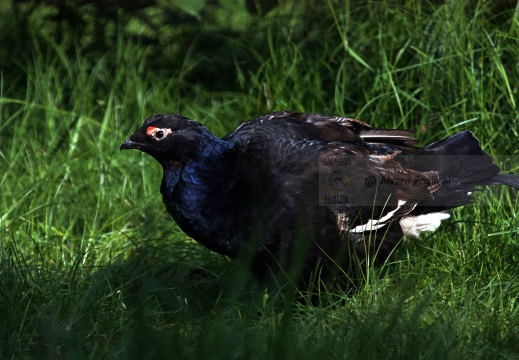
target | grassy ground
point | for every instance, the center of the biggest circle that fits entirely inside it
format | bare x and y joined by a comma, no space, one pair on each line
92,266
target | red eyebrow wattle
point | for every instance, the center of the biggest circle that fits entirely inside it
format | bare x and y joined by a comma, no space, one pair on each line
150,129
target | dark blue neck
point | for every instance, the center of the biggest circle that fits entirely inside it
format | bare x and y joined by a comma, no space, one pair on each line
196,193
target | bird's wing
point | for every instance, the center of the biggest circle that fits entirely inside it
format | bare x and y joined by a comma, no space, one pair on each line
337,163
297,148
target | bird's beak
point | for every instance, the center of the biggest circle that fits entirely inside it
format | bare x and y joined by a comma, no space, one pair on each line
129,144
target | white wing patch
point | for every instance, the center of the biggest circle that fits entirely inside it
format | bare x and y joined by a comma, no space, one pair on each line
376,224
414,226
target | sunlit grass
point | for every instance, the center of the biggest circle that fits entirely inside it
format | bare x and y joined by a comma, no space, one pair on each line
92,265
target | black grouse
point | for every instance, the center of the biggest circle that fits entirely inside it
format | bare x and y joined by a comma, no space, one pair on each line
310,192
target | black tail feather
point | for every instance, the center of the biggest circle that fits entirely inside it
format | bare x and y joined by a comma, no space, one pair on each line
462,165
459,160
505,179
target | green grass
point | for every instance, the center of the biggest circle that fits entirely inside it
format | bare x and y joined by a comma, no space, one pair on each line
92,266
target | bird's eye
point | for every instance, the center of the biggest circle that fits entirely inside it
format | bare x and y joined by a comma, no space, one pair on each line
158,133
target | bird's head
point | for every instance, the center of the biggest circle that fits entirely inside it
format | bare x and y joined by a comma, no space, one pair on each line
168,138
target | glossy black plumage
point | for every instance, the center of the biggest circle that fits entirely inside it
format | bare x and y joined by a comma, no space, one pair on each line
259,191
